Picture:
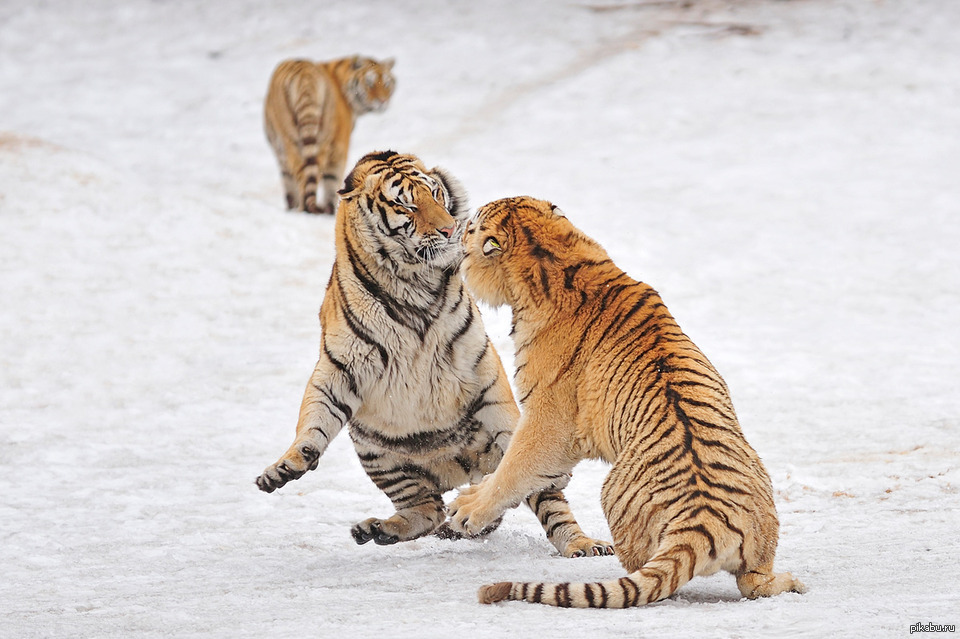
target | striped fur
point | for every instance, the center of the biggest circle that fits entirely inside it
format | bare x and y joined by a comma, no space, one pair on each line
309,114
605,372
405,362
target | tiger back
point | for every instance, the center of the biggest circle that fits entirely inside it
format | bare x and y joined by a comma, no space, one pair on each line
604,371
405,362
309,114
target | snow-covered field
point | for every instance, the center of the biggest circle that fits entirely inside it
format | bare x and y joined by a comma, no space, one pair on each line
786,173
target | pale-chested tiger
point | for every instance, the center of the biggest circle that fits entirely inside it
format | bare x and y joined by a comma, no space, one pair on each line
309,115
405,361
604,371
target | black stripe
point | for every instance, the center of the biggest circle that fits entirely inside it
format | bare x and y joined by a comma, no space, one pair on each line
527,394
418,442
336,403
674,398
545,282
373,288
588,592
623,581
540,253
460,332
355,326
702,530
343,368
658,575
724,487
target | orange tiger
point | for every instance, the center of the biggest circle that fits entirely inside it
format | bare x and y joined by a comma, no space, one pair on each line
605,372
405,363
309,114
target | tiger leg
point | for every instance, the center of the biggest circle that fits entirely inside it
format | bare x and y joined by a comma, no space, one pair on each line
414,491
288,172
563,531
328,403
538,458
284,148
756,577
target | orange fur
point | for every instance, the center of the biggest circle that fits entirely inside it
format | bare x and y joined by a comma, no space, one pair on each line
604,371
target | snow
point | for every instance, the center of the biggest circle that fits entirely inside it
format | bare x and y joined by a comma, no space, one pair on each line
785,173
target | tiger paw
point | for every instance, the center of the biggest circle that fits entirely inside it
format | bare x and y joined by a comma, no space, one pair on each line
319,209
470,513
587,547
444,531
373,529
292,466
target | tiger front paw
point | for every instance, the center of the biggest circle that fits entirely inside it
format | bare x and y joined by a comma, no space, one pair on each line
293,466
471,512
587,547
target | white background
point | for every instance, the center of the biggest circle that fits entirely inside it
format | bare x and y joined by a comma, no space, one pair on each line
785,173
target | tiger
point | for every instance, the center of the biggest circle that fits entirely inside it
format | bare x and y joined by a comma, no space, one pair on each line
405,362
309,114
603,371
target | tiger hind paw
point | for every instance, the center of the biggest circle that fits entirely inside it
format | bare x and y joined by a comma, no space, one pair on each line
372,529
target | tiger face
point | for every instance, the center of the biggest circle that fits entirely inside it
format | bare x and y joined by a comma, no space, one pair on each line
370,85
502,253
414,215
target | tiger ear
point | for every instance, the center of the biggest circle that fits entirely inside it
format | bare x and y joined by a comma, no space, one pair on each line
388,64
351,186
357,62
491,246
356,184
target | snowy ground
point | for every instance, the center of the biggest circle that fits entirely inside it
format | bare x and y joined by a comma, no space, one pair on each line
784,172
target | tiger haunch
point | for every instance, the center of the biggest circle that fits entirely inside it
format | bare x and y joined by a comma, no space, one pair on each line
405,362
309,114
604,371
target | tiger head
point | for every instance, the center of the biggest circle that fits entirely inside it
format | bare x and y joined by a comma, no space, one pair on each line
369,84
522,248
411,215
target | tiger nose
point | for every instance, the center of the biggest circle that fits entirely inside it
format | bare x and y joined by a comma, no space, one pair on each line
447,232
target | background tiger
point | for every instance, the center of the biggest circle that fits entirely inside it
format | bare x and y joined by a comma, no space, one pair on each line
309,114
404,359
605,372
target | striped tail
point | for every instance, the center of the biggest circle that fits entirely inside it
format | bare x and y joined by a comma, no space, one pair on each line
659,578
303,98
